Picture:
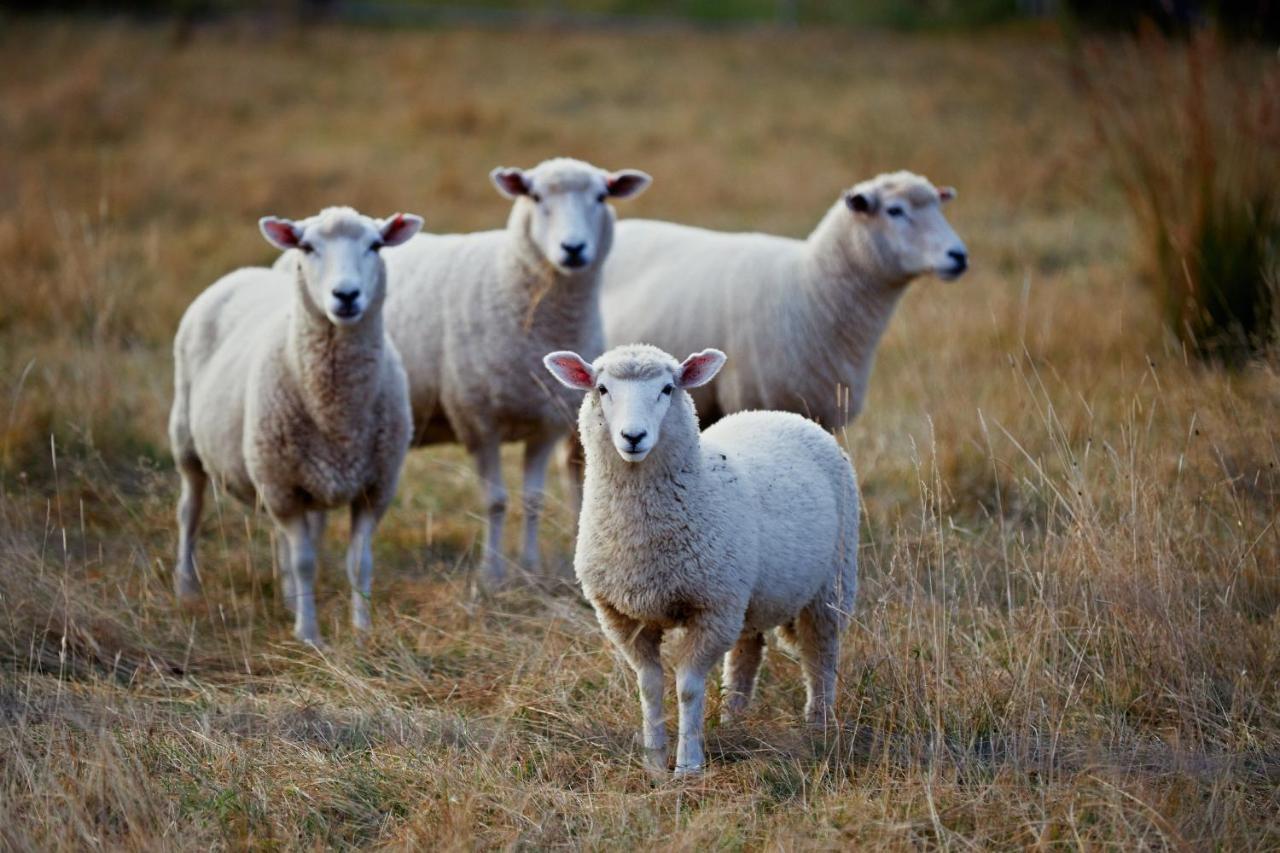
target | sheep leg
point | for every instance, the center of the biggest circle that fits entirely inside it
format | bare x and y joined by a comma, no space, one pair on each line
537,455
302,565
691,689
489,463
817,632
575,465
641,647
707,639
285,567
360,565
315,521
186,582
316,524
740,667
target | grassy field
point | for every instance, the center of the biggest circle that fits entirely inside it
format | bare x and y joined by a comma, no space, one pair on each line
1068,632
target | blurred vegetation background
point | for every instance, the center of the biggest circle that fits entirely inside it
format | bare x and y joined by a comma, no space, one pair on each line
1247,18
1068,630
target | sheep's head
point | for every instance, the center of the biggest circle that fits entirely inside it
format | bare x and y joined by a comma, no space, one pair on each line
570,221
902,213
634,386
338,257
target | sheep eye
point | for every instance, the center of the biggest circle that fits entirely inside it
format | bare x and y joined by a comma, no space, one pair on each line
668,388
537,198
373,247
306,248
602,389
895,210
600,198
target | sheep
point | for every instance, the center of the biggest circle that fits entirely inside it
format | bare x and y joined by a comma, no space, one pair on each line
472,314
288,392
802,317
750,526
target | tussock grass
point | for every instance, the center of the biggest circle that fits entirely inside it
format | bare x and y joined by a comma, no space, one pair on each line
1201,166
1067,631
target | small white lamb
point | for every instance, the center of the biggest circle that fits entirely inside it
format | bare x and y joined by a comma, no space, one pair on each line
752,525
801,317
472,315
288,392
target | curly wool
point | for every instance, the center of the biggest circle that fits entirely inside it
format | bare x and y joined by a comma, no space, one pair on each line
748,526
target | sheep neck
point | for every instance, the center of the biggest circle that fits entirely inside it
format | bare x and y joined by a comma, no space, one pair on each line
335,367
541,296
853,292
674,469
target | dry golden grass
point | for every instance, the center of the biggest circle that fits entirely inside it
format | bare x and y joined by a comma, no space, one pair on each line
1069,626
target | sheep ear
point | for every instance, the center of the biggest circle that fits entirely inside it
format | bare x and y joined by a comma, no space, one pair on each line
510,182
284,234
627,183
866,203
571,370
945,194
398,228
700,368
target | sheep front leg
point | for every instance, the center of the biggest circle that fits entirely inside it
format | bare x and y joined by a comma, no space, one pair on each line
489,463
186,583
537,455
302,565
641,646
704,644
315,525
360,565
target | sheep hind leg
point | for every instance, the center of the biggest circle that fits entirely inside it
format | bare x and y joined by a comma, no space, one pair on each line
186,580
817,636
537,455
489,463
741,665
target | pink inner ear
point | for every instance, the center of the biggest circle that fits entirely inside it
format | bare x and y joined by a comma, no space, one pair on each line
393,232
695,368
282,232
575,371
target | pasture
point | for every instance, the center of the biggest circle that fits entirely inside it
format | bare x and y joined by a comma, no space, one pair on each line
1068,627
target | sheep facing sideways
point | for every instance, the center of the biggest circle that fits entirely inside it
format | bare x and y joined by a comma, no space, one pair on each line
473,314
288,392
802,317
749,526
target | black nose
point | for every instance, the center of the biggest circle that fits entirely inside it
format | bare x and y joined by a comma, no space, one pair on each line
346,297
573,250
961,259
634,438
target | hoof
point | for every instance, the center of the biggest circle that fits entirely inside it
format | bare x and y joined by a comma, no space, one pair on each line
316,644
187,588
360,618
655,760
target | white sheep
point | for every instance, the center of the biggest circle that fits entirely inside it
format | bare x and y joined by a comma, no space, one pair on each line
288,392
473,314
752,525
802,317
